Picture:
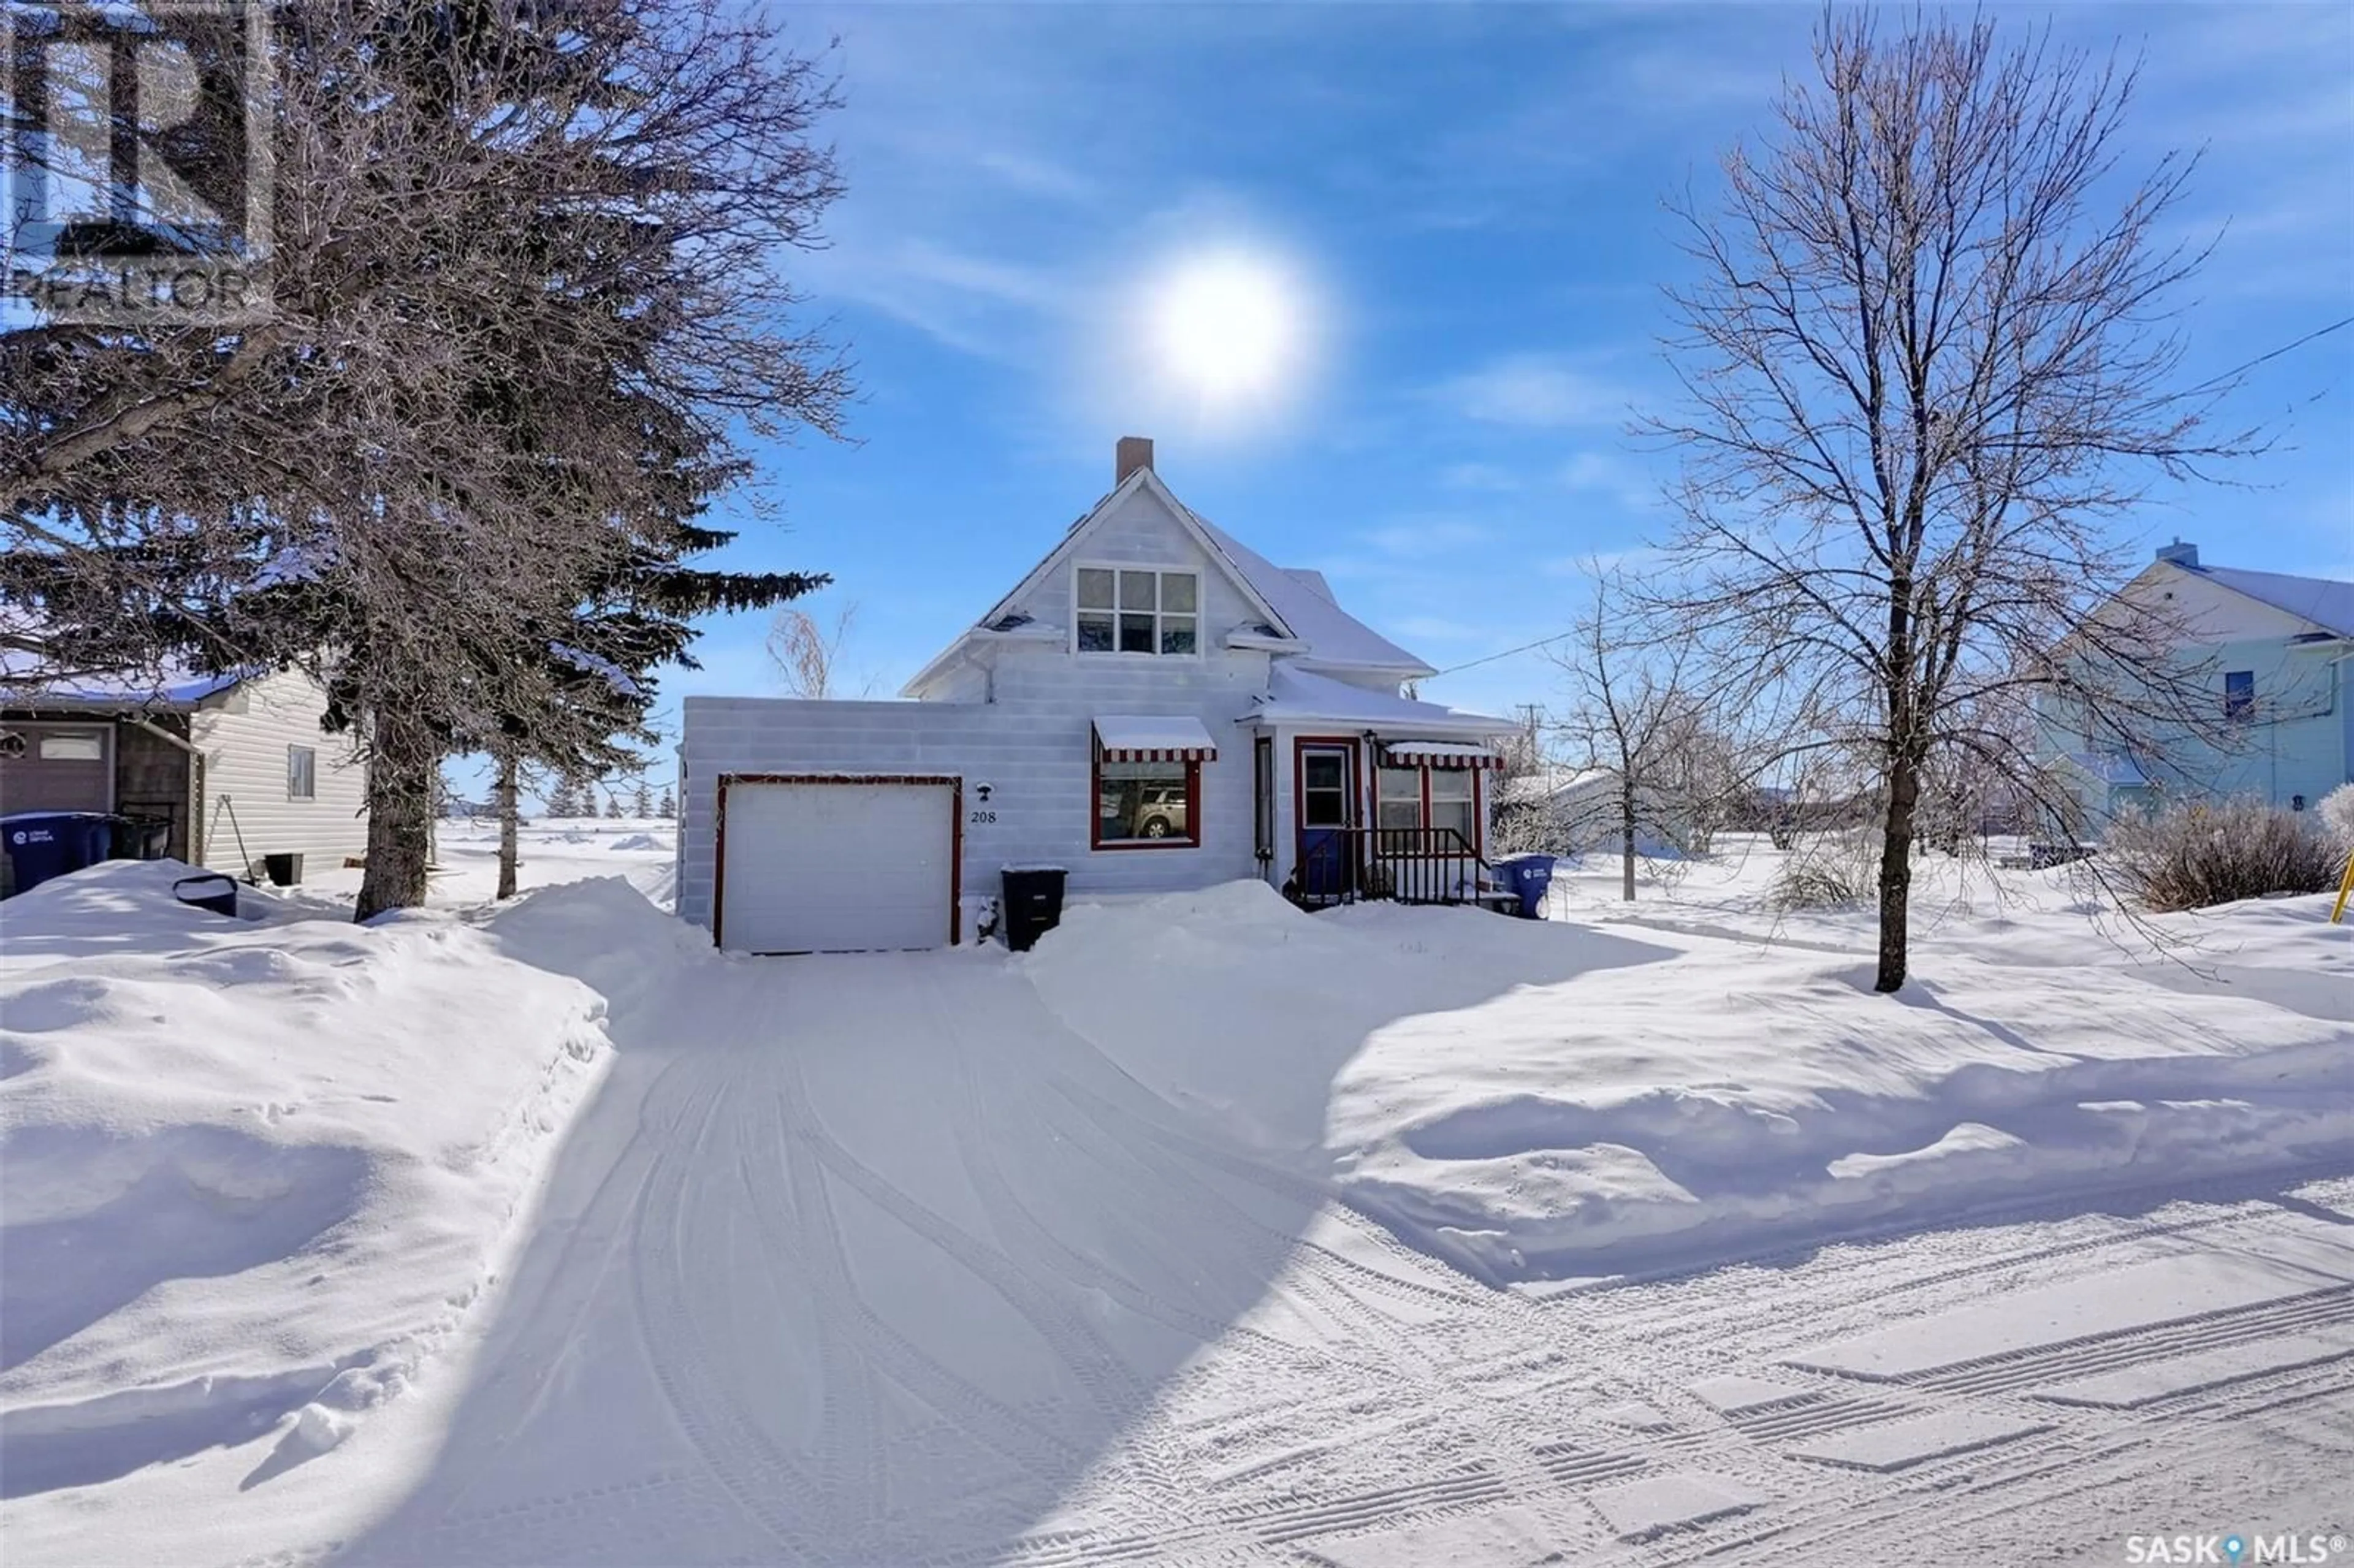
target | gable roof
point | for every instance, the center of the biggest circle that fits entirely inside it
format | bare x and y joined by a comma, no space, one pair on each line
1297,604
2326,603
1305,601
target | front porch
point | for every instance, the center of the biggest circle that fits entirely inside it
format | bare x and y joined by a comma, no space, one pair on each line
1375,815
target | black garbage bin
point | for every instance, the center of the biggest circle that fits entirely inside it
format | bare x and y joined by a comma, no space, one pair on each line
1528,875
139,838
283,870
46,844
1033,904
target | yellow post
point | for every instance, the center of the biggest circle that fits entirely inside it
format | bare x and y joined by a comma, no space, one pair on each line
2345,887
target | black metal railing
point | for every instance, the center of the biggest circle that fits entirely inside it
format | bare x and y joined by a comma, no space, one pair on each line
1409,865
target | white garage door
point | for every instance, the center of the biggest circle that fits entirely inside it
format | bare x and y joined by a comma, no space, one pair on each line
837,867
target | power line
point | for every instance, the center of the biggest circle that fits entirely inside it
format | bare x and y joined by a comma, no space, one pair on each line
1507,653
2337,325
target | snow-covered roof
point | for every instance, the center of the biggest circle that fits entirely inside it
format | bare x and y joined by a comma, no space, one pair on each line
170,691
1304,618
1442,752
31,676
1304,599
1552,783
2321,600
1296,694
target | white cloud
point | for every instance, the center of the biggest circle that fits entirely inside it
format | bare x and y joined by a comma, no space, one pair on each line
1535,391
1415,538
1611,474
1478,476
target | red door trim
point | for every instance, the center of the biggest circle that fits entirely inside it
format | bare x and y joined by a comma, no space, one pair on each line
953,782
1356,786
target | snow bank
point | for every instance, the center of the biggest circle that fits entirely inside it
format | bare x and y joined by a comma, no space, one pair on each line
1232,1002
1537,1101
255,1170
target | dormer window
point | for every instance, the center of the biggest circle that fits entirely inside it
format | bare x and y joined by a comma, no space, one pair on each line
1131,609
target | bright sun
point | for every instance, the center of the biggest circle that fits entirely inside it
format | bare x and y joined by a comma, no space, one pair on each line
1230,327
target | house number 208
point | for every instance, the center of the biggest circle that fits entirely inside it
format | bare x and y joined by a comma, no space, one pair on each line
978,817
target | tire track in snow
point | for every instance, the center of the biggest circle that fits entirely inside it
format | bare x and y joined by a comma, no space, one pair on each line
706,1403
2059,1363
991,1423
849,1449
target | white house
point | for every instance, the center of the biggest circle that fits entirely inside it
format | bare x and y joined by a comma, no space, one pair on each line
2273,652
1578,811
235,765
1154,706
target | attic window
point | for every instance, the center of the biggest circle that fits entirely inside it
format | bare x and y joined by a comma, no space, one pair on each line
1129,610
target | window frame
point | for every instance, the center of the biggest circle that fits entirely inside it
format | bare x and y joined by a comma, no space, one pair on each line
2240,706
1476,838
309,771
1161,571
1469,800
44,738
1193,836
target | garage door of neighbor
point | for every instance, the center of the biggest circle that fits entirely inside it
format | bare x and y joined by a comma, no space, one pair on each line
837,866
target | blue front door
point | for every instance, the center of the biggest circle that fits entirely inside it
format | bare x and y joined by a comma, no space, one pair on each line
1328,810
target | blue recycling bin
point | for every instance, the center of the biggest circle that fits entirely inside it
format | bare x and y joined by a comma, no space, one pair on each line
46,844
1528,876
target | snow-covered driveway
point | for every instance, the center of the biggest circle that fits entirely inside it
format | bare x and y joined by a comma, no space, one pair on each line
877,1260
870,1260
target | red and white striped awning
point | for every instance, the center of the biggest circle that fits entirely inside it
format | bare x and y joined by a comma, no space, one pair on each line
1128,737
1440,753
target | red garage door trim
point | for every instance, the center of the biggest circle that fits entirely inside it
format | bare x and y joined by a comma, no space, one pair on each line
954,784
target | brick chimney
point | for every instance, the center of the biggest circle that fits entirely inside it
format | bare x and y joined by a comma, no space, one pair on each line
1133,452
2180,554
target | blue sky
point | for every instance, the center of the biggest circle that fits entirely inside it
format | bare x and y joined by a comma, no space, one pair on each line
1472,199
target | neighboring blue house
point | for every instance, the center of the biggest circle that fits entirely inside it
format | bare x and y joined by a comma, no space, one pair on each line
2275,648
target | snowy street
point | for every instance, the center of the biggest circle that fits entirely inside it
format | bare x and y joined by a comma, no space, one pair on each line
963,1258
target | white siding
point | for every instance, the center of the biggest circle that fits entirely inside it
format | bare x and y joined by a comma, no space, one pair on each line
1035,753
1140,532
244,812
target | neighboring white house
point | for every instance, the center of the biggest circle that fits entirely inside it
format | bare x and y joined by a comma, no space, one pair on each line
2273,650
1154,706
1577,811
237,765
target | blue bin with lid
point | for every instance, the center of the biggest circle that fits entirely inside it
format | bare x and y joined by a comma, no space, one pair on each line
42,846
1527,877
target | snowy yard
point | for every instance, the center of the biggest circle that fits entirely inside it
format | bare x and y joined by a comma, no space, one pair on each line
1208,1231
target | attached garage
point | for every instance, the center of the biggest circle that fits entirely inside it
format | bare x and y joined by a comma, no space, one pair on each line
831,864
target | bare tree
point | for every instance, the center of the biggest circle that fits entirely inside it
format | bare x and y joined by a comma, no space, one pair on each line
1637,720
1926,359
806,653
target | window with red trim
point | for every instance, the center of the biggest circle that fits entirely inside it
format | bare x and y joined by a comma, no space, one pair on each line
1146,805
